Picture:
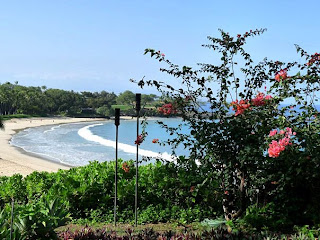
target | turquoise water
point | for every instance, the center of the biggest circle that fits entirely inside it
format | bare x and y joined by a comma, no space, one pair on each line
77,144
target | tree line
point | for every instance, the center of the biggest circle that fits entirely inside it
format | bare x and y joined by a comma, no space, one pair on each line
18,99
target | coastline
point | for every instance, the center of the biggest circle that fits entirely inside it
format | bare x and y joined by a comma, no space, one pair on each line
14,160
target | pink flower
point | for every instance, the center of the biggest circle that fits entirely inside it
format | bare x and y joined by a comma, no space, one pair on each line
125,167
268,97
314,58
281,75
276,147
273,132
140,139
260,99
155,140
162,54
167,109
289,131
240,107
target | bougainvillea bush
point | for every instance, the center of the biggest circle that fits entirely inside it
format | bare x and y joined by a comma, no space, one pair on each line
258,131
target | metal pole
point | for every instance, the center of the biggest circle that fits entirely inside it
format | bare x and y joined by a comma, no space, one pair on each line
117,123
11,223
138,106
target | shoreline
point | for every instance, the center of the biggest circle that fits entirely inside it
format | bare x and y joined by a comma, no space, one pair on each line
15,160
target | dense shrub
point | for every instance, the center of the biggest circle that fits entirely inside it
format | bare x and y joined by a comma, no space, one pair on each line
166,192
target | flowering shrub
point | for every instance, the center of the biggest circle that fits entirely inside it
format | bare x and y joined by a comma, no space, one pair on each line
233,146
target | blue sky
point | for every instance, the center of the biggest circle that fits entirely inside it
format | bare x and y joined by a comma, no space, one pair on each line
98,44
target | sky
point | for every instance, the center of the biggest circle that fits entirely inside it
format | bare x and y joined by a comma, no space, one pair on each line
95,45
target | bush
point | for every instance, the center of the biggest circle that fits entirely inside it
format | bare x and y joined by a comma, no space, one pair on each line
34,220
260,150
166,192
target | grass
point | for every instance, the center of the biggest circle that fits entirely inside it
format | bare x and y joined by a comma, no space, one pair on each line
8,117
128,107
122,107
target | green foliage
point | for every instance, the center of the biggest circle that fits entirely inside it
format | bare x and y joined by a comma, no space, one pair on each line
105,111
34,220
126,98
166,192
122,107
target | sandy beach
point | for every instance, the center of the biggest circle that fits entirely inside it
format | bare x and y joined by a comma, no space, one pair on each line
15,160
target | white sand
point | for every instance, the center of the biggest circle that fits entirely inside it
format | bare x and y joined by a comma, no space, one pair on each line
14,160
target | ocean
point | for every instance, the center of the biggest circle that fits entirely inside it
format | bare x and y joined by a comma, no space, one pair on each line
77,144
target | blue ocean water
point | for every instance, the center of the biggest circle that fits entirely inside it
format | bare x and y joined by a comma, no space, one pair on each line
77,144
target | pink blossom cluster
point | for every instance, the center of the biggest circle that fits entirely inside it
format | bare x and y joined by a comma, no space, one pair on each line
281,75
260,99
167,109
240,106
276,147
315,58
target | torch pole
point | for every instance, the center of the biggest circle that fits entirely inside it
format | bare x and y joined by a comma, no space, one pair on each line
117,123
138,106
11,221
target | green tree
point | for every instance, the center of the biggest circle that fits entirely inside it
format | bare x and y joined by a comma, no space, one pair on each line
105,111
126,98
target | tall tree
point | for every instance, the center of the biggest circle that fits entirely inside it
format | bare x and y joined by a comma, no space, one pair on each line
126,98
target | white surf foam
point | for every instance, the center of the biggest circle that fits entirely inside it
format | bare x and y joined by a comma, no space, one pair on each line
52,129
88,135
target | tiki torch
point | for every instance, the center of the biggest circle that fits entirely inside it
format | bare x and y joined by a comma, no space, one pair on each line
138,107
117,123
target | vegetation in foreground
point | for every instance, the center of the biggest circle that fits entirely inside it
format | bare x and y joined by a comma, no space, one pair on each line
167,193
44,201
259,163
